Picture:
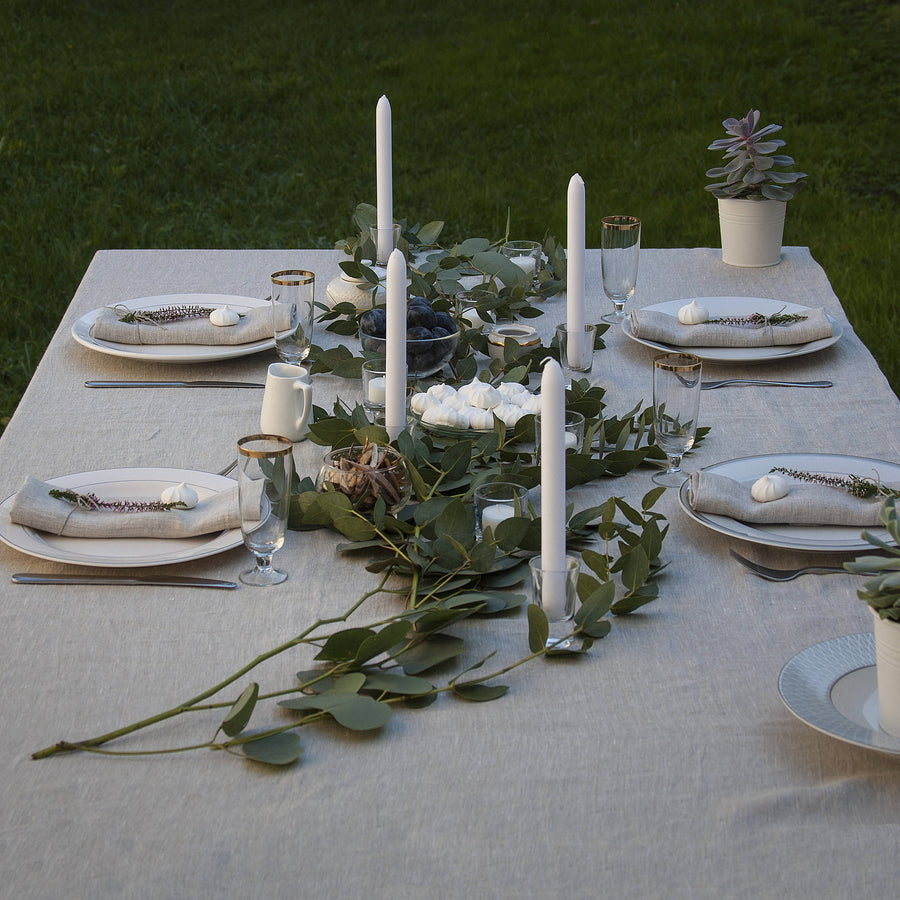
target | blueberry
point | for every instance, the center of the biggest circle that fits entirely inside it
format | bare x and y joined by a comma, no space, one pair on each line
373,322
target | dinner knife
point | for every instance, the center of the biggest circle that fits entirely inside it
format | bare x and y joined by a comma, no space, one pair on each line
709,385
172,384
163,580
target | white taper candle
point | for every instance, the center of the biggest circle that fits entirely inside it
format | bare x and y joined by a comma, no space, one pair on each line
395,349
384,177
575,219
553,489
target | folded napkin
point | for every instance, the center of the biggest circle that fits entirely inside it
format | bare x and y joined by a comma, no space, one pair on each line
255,326
806,504
33,507
652,325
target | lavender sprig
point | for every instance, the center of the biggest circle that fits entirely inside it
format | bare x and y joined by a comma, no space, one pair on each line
855,485
93,502
758,320
163,314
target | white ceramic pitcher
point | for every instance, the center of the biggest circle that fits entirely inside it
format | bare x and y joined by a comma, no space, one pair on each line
287,401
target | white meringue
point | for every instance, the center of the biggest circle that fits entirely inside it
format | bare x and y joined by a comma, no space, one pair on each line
443,414
530,405
486,397
420,402
457,401
180,493
481,419
692,314
508,413
441,391
224,315
770,487
513,391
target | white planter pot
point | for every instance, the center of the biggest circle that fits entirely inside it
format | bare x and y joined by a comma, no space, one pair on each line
345,289
751,231
887,673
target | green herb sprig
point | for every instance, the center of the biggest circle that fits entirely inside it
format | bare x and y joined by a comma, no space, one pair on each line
855,485
93,502
758,320
164,314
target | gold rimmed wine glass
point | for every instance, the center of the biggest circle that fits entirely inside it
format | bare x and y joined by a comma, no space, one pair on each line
676,403
620,249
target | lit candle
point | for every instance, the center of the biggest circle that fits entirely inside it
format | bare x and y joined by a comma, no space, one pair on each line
395,350
384,178
495,513
553,489
575,272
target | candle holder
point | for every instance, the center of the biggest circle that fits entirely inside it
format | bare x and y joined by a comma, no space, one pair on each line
374,385
527,256
555,593
576,351
496,502
574,436
385,240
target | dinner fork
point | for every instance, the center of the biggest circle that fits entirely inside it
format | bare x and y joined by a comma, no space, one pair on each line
785,574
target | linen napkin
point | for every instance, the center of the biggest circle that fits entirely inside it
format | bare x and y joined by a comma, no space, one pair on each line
256,325
33,507
806,504
652,325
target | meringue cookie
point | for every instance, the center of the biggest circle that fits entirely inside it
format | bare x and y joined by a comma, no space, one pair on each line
443,414
508,413
441,391
692,314
180,493
420,402
224,315
481,419
486,397
513,391
457,401
530,405
770,487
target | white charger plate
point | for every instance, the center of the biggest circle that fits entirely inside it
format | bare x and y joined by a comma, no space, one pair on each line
833,538
738,306
832,688
173,353
133,483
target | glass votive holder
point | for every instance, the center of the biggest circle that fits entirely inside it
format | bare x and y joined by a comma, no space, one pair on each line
555,593
374,385
385,240
574,434
495,502
576,351
526,255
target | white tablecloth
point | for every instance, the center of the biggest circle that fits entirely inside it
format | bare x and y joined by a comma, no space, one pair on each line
663,764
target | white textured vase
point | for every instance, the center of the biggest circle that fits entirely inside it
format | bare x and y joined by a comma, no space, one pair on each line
887,673
751,231
357,291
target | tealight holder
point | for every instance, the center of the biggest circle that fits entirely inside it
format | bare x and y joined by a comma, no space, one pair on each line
576,351
526,255
385,240
574,435
496,502
374,384
556,593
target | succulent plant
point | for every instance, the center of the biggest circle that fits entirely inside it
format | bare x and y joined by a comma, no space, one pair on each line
882,592
753,172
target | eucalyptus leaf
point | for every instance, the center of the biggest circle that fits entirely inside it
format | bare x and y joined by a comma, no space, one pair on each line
538,628
402,685
344,645
381,642
354,711
274,750
429,653
480,693
239,715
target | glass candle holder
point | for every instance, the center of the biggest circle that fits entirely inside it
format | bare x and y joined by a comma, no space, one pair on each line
526,255
496,502
556,594
576,351
374,385
574,437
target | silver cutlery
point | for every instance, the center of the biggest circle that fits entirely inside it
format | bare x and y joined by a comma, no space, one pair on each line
228,468
709,385
172,384
785,574
163,580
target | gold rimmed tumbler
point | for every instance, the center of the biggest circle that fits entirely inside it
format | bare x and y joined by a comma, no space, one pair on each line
676,404
295,288
265,468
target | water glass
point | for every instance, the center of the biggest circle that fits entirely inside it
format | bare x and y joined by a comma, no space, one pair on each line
620,248
495,502
265,468
295,287
676,404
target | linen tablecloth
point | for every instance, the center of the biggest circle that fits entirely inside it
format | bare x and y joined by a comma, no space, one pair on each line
663,764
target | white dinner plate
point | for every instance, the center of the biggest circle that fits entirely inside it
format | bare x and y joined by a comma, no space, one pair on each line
834,538
174,353
831,687
124,552
738,306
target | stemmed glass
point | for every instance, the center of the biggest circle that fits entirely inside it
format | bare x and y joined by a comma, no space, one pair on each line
620,247
265,467
676,403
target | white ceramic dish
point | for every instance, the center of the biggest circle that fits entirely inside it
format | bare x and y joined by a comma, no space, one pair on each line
173,353
123,552
831,687
834,538
738,306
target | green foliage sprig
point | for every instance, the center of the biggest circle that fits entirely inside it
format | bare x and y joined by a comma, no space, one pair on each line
882,592
856,485
93,502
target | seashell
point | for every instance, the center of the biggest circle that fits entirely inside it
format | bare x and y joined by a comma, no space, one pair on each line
224,315
180,493
692,314
770,487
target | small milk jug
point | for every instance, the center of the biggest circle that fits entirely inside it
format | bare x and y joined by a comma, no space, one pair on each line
287,401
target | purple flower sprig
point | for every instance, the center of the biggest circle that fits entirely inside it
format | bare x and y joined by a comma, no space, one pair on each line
93,502
855,485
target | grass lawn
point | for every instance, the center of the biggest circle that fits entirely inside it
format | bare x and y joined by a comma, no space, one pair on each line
251,124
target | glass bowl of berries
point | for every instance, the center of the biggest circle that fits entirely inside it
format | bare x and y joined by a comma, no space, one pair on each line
431,337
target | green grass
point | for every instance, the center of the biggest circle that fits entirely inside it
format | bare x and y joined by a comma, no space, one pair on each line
245,123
